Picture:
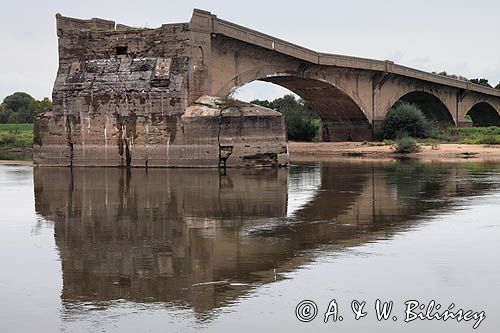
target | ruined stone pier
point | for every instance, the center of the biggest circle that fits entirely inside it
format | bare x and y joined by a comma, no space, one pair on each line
131,97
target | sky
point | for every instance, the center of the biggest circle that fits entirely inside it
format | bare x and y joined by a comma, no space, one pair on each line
460,37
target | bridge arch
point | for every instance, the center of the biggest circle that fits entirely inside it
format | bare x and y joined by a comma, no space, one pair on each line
484,114
342,115
430,104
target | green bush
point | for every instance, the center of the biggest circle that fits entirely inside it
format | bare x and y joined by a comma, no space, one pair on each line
406,118
406,145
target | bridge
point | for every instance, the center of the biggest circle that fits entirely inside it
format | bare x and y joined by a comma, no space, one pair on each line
351,95
140,97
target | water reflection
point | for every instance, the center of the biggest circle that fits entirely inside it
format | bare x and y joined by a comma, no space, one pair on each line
195,239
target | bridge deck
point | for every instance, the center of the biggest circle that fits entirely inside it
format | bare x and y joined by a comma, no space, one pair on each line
232,30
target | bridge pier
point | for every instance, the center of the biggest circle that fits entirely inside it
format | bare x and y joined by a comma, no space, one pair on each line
331,131
465,123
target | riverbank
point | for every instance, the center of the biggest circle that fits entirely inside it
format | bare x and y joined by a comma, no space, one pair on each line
16,142
307,151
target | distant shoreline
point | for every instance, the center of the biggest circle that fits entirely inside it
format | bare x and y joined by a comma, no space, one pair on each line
15,162
16,155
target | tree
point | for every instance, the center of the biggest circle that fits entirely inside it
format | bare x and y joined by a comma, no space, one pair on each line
483,82
20,107
301,120
17,101
453,76
43,106
3,114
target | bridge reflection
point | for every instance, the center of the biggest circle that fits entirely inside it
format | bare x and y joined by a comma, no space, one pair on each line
165,235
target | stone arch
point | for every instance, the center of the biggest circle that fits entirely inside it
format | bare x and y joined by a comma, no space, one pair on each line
255,74
484,114
430,104
343,117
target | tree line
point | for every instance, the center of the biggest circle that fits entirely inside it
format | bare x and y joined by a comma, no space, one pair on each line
482,81
21,108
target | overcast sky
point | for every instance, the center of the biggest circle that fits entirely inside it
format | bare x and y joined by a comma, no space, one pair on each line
461,37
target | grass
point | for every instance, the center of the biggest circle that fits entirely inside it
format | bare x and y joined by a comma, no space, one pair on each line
379,143
16,136
470,135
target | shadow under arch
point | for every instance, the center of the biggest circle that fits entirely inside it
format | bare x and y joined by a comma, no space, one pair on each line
483,114
432,107
343,117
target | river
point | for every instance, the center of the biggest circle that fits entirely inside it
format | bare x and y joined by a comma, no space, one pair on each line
188,250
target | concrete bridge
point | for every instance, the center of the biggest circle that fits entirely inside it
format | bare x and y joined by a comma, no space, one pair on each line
351,95
140,97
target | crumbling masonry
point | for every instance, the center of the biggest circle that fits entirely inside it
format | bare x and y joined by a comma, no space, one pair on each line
135,97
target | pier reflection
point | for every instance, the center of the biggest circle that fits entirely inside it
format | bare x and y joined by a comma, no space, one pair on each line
195,239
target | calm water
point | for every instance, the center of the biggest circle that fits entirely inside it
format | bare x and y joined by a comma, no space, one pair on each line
106,250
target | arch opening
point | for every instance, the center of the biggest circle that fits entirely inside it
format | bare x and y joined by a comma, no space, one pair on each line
483,114
432,107
342,119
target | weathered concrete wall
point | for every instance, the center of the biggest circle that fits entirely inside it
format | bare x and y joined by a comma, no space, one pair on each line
120,98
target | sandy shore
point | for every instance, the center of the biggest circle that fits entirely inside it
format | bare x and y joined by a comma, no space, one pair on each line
309,151
302,151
